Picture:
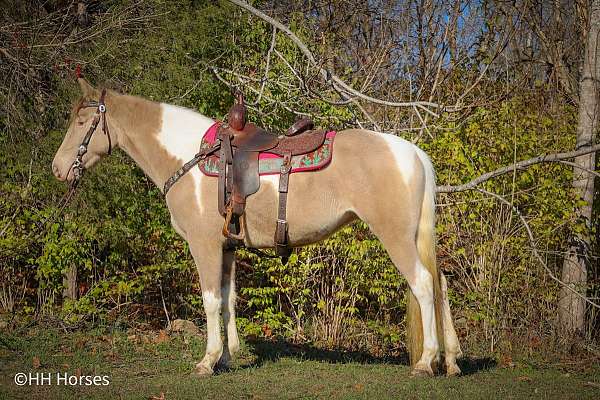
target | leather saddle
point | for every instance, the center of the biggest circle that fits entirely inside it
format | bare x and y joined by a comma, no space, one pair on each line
241,143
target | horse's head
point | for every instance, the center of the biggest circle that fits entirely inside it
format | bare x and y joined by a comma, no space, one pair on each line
82,120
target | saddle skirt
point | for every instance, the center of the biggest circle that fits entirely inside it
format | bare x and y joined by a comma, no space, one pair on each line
269,163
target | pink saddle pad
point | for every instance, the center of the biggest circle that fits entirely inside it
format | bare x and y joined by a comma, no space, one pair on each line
269,163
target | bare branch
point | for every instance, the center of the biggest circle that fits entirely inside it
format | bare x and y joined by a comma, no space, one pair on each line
266,74
328,75
556,157
534,248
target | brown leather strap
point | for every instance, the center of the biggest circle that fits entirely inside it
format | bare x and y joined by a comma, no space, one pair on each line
222,193
230,207
281,231
188,166
77,165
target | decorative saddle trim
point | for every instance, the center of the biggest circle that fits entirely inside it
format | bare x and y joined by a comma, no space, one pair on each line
269,163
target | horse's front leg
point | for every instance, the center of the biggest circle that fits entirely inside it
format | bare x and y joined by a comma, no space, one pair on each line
232,342
208,257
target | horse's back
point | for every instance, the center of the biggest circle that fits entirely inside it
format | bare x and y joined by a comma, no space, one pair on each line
367,154
370,175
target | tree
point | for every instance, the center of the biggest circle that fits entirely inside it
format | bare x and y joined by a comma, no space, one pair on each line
575,266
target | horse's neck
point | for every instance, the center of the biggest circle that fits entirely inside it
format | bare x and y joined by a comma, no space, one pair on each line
159,137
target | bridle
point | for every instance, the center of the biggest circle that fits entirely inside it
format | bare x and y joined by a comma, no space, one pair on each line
77,166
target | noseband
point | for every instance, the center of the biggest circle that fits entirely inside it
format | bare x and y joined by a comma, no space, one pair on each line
77,165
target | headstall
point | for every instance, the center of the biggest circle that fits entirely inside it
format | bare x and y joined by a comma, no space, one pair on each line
77,166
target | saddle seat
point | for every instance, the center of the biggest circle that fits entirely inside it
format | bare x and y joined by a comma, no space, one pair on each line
253,138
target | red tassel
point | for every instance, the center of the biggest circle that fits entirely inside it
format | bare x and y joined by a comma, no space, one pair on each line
78,71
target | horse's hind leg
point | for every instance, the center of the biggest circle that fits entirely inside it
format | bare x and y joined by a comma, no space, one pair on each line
232,343
420,281
208,257
451,345
404,255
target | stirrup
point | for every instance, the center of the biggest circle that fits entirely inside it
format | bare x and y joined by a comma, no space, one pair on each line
226,233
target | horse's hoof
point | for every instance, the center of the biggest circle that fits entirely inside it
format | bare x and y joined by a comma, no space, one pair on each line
421,372
452,370
224,360
223,365
202,371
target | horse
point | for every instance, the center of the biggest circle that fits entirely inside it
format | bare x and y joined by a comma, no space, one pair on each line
381,179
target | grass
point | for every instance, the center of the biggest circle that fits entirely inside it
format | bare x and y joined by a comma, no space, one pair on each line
158,366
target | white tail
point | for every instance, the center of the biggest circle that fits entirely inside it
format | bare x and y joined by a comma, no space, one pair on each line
426,243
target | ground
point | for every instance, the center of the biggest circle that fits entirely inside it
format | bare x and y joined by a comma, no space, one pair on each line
156,365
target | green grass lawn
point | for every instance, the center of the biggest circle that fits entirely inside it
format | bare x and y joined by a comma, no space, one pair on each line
157,366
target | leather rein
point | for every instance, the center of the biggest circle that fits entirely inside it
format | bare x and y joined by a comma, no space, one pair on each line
77,166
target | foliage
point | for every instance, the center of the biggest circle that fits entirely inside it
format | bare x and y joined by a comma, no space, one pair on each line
325,287
343,292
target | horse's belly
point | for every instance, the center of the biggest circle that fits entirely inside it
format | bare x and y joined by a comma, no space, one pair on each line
315,209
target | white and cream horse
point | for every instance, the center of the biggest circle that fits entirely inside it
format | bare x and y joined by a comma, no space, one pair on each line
379,178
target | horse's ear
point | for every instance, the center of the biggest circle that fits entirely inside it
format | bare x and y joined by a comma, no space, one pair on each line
87,89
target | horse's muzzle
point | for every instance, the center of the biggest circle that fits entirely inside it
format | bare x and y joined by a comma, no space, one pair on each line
57,173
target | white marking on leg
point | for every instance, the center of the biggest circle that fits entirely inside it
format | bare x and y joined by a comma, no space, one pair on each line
214,345
423,291
404,154
229,296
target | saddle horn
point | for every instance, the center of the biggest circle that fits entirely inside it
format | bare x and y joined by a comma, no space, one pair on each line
237,113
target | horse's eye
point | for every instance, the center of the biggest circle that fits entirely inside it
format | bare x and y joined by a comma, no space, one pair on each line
80,123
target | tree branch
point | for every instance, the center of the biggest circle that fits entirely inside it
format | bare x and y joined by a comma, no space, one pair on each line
328,75
556,157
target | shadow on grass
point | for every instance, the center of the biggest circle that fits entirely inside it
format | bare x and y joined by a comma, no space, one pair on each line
266,351
273,350
472,365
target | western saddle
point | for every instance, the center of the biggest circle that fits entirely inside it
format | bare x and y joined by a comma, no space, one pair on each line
239,144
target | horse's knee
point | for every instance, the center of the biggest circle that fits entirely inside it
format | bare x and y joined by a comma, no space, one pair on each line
421,285
212,302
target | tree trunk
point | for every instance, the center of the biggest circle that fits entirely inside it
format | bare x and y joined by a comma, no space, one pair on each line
453,32
574,272
70,283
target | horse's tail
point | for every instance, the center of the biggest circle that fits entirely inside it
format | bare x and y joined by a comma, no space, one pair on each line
426,243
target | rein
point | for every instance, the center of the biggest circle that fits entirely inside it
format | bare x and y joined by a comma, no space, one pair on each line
77,166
